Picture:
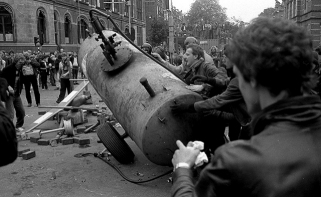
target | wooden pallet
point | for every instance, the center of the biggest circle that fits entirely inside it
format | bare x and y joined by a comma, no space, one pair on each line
63,103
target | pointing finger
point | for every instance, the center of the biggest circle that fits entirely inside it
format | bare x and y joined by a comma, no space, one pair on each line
180,144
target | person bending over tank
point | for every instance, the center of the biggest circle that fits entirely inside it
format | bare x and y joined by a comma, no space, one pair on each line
194,64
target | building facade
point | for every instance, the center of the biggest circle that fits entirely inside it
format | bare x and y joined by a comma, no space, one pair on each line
155,9
279,10
306,13
62,23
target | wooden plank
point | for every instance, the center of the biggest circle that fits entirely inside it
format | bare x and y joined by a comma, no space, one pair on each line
63,103
70,107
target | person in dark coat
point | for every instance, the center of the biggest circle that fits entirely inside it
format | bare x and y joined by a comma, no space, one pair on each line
52,69
8,139
57,62
29,77
13,102
43,69
273,64
64,73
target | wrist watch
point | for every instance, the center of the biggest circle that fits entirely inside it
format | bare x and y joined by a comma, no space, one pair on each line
182,165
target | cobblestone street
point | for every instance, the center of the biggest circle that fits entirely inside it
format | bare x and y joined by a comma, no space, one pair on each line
55,171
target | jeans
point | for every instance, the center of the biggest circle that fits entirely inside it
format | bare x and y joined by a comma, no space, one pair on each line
52,77
65,84
14,103
44,76
75,73
31,80
56,75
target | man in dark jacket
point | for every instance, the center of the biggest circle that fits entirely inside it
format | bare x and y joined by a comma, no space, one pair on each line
12,74
283,156
194,64
8,140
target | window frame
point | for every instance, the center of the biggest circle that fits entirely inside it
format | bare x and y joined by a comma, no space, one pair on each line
79,27
43,39
67,18
2,18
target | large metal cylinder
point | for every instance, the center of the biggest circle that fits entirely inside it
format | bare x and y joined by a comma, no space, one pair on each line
147,119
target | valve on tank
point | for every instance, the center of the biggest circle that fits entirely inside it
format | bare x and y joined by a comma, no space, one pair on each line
110,48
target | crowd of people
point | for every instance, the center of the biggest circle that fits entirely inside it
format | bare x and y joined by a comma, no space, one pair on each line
264,86
272,106
31,71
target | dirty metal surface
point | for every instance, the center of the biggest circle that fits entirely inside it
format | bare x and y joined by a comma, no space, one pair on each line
123,56
138,112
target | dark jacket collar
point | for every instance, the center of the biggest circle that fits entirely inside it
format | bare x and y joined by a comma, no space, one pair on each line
301,109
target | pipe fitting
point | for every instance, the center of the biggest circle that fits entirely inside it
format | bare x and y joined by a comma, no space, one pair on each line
149,89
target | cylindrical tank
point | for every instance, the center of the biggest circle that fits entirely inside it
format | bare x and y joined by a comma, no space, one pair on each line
148,120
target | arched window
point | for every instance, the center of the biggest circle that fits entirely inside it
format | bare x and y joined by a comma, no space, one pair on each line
82,34
42,27
67,30
56,26
6,25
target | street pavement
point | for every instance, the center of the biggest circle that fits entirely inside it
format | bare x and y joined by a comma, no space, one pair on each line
56,171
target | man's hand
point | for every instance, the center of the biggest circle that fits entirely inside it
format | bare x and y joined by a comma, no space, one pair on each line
182,107
203,79
10,89
195,88
199,78
158,57
185,154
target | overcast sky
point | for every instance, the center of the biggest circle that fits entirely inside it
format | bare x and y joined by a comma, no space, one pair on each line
241,9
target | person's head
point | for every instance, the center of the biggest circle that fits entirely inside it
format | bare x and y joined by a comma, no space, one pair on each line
190,40
61,50
192,54
272,57
178,60
64,57
19,60
213,50
147,48
226,61
11,53
26,54
160,50
43,58
53,57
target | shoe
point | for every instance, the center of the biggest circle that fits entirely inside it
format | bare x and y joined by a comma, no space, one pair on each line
58,101
38,104
56,89
29,105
